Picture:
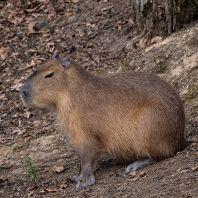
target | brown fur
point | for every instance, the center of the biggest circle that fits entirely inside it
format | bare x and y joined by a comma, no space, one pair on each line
128,116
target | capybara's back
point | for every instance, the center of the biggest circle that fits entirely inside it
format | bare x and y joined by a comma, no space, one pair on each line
148,113
129,116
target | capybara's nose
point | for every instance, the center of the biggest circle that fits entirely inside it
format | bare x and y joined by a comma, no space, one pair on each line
24,91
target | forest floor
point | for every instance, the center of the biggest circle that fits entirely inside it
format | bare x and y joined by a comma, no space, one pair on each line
99,35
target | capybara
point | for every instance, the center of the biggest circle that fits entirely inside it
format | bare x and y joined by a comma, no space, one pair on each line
132,117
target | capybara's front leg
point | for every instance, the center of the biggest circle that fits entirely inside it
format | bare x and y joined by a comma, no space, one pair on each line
87,159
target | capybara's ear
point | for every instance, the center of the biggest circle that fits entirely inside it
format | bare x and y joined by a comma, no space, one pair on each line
65,62
55,56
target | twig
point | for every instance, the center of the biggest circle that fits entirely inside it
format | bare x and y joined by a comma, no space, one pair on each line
186,70
96,33
152,59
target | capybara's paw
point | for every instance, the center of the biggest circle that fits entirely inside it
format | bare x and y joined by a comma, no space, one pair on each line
85,184
137,165
75,178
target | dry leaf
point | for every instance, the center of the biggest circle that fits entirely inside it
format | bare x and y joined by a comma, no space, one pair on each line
17,20
105,1
63,186
97,59
68,14
31,27
16,87
131,22
36,123
2,96
15,115
75,1
4,52
30,194
33,9
193,144
57,169
119,27
32,187
88,24
133,173
142,174
31,64
195,168
18,131
156,39
27,114
50,190
3,180
142,43
26,139
46,190
137,177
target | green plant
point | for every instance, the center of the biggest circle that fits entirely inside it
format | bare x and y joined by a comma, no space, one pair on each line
31,170
3,167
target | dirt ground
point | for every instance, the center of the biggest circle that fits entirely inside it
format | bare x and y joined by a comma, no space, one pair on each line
101,35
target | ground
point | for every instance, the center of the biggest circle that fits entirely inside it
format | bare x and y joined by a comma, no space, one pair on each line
101,36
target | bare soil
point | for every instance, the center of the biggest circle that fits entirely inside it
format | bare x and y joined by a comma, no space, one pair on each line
102,36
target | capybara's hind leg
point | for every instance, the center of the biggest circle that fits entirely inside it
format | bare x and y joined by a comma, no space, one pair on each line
137,165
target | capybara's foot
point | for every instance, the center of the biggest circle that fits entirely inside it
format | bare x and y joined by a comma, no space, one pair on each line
84,184
137,165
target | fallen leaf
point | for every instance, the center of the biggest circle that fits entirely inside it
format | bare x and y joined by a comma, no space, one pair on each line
30,194
16,115
33,9
88,24
142,43
97,59
133,173
156,39
18,131
26,139
47,190
142,174
3,180
31,27
105,1
17,20
119,27
4,52
137,177
68,14
75,1
16,87
131,22
50,190
2,96
43,191
57,169
31,64
193,144
62,186
36,123
88,189
27,114
32,187
195,168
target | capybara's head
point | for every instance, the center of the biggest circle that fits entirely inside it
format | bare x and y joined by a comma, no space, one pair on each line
43,88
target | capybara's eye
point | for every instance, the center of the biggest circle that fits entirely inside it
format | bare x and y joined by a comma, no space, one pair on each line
49,75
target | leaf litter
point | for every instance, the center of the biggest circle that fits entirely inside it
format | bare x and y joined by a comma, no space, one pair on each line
96,34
